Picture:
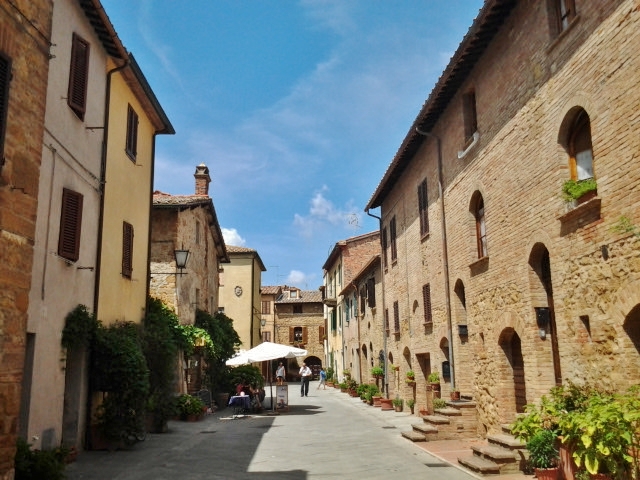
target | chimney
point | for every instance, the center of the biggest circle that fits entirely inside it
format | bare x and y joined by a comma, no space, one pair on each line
202,179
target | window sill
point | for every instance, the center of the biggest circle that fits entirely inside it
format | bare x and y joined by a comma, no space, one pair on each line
425,236
560,36
479,266
580,215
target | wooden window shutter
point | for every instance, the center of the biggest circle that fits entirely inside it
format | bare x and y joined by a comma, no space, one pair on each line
396,317
321,334
426,299
392,234
5,79
70,225
423,208
386,319
371,292
132,133
292,335
305,335
127,249
78,76
384,247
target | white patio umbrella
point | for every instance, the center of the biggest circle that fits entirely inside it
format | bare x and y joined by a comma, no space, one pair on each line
266,351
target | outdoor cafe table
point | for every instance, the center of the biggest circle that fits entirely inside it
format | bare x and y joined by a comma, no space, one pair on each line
240,404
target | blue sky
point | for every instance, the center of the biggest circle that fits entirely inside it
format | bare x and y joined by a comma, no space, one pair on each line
296,106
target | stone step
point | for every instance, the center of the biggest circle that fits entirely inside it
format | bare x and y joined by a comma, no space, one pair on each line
508,460
437,419
480,465
449,412
414,436
506,441
424,428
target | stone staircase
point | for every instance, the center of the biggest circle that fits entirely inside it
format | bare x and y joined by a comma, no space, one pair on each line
500,454
457,420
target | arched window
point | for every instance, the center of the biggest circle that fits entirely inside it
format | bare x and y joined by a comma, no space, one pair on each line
580,149
481,230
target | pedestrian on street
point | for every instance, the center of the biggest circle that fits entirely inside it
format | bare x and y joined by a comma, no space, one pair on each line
305,376
323,379
280,374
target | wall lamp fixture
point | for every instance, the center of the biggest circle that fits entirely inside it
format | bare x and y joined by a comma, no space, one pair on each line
181,256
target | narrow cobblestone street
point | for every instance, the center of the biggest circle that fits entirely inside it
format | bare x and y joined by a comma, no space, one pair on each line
325,435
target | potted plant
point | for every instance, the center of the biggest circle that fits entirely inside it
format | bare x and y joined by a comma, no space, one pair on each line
347,373
397,404
605,434
411,377
543,454
386,404
455,394
579,191
377,372
411,403
190,408
434,381
439,403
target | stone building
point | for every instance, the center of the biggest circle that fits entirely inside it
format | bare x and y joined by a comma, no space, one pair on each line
346,259
268,294
187,224
492,278
240,296
25,41
299,321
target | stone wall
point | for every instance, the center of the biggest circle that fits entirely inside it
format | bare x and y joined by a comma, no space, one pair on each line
27,49
527,84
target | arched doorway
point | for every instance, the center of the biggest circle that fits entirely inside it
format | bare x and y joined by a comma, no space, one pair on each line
512,389
632,328
542,299
315,364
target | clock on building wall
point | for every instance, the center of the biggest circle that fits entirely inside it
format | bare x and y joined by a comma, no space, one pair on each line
238,291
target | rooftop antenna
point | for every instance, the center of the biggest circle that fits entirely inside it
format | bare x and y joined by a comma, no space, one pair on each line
353,220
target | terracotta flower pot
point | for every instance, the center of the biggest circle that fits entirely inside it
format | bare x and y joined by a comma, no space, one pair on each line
386,404
547,473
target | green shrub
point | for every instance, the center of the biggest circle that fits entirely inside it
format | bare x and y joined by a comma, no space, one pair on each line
434,377
542,449
574,189
39,464
189,405
377,372
439,403
397,402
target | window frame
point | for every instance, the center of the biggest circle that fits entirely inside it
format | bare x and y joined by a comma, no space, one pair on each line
469,115
423,208
393,239
5,82
564,19
266,307
78,75
131,145
481,227
426,300
127,249
581,125
396,317
70,225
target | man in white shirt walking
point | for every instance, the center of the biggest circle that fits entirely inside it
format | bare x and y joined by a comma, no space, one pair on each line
305,376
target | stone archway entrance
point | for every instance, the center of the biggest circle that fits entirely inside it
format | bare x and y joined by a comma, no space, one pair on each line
512,390
315,364
632,329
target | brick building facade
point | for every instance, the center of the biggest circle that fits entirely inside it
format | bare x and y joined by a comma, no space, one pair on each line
505,289
299,321
25,39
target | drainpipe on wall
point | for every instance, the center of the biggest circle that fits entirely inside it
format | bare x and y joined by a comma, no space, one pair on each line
384,332
103,179
445,255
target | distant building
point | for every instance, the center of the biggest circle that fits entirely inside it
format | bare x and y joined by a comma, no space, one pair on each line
240,296
299,322
268,295
345,261
187,223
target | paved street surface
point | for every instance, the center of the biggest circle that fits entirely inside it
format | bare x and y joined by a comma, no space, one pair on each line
327,435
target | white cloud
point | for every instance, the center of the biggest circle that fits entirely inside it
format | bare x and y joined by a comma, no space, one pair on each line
300,279
232,237
323,212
